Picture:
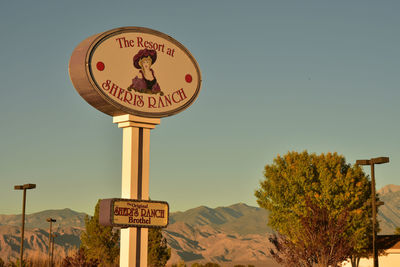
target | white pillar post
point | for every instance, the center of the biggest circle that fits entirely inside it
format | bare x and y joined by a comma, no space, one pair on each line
135,183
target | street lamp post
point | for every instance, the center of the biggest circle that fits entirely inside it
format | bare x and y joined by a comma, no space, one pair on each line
50,220
52,249
372,163
23,187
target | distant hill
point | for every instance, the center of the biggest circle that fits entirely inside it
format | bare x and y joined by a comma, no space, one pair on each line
237,234
236,219
202,243
391,188
65,218
389,213
36,241
68,227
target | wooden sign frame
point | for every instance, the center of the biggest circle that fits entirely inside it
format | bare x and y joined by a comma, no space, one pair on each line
110,213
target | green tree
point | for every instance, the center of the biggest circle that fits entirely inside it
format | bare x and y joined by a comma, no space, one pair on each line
13,264
179,264
79,259
100,242
158,252
321,242
326,180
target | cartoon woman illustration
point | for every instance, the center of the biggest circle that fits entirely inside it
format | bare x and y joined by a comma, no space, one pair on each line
147,83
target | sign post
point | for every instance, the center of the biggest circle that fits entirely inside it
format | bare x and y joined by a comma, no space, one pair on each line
137,76
135,182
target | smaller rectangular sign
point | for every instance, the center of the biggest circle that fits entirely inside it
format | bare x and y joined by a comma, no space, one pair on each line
118,212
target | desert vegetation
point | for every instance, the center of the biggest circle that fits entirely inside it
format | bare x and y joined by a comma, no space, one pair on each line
208,264
39,259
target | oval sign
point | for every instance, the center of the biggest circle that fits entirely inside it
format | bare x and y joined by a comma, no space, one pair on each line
136,71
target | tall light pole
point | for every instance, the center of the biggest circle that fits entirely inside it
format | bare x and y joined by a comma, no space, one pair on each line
50,220
23,187
372,162
52,249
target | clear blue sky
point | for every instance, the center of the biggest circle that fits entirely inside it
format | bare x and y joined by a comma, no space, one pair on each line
278,76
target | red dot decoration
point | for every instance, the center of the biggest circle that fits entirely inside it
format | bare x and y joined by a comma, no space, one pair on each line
188,78
100,66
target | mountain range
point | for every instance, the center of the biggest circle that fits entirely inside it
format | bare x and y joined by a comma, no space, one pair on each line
228,235
65,218
389,213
